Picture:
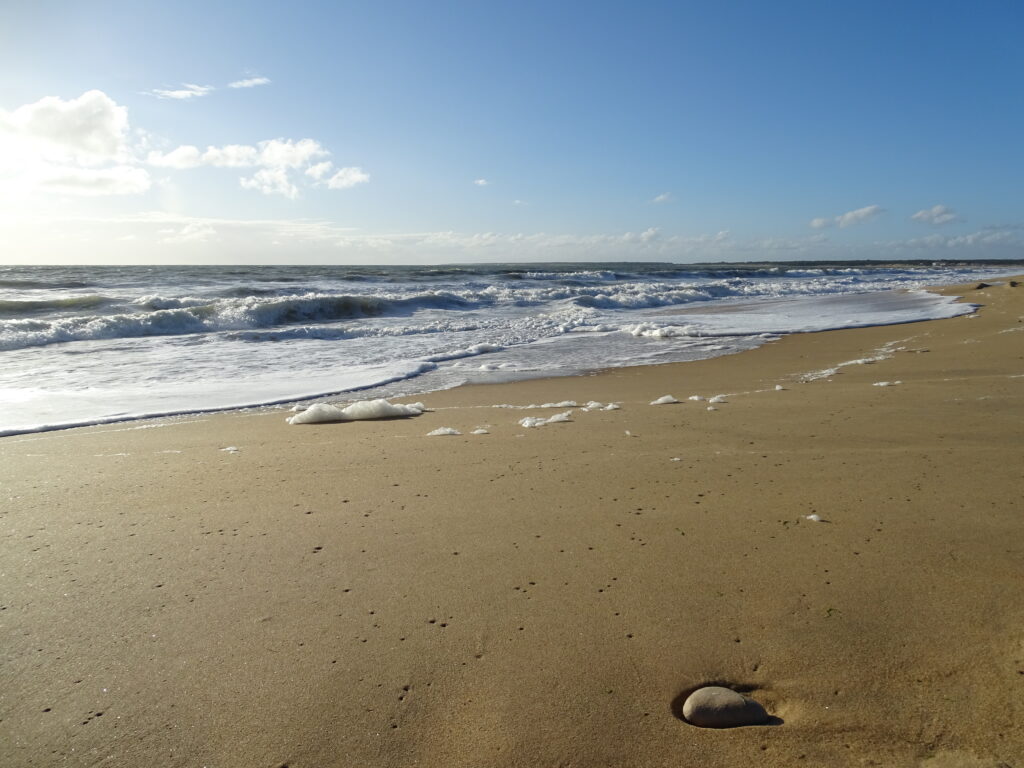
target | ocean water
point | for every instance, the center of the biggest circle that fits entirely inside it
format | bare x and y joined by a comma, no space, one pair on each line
86,345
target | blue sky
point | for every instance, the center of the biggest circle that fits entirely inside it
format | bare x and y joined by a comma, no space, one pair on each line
647,130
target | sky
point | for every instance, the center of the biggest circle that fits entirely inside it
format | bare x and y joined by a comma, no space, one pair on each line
439,131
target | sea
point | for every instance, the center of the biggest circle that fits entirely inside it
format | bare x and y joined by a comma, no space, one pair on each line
96,344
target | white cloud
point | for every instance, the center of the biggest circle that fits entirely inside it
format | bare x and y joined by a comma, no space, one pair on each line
72,147
231,156
186,239
346,178
275,160
191,232
185,156
481,182
187,91
286,153
251,82
849,218
81,146
858,216
664,197
985,238
936,215
319,170
89,130
271,181
118,180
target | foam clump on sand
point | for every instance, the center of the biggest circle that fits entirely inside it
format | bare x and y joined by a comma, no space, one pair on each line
479,431
442,431
718,399
664,400
363,410
593,405
814,518
563,404
540,421
886,383
697,398
779,388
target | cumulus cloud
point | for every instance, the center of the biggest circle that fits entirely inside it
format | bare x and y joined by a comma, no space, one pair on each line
319,170
664,197
187,91
88,130
275,160
849,218
346,178
286,153
271,181
937,215
481,182
76,147
185,156
858,216
231,156
83,146
250,82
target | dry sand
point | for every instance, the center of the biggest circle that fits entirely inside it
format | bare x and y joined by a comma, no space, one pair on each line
360,594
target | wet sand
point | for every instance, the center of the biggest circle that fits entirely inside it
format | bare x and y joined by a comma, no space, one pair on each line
359,594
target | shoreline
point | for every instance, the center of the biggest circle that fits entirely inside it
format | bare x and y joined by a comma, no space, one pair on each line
359,594
732,305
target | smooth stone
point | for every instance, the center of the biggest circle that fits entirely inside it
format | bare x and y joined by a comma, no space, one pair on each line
717,707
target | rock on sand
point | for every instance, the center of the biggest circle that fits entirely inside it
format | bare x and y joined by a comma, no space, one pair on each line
717,707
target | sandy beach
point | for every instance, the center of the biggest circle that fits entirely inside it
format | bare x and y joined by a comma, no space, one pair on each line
360,594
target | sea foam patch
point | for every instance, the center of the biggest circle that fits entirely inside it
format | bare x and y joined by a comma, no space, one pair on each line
562,404
540,421
362,410
664,400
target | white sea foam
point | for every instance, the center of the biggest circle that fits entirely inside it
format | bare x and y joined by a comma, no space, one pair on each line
479,431
594,405
814,518
563,404
719,399
886,383
664,400
885,352
540,421
697,398
443,431
362,410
